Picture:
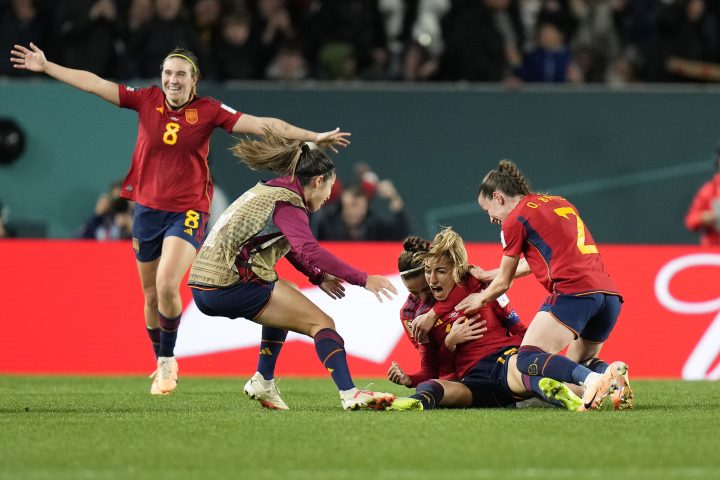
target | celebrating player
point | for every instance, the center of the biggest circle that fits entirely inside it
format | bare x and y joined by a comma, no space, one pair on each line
169,178
584,302
481,352
234,273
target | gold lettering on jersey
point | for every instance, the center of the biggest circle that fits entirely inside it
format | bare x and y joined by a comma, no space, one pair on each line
191,116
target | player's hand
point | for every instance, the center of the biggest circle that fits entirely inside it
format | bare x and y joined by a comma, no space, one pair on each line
378,284
332,139
471,304
333,286
464,330
421,326
32,59
485,276
396,375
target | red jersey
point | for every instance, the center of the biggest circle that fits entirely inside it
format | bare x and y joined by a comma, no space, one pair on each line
704,198
436,361
496,337
557,246
169,169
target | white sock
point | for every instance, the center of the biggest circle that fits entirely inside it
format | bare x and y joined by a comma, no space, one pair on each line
591,378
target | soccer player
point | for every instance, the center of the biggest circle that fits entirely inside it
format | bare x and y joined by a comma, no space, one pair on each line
234,272
481,355
169,178
584,302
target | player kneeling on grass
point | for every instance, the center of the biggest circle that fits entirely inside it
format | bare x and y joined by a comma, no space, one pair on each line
234,272
465,362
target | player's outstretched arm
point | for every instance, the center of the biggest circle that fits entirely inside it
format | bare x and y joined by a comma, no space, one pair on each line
475,301
257,125
33,59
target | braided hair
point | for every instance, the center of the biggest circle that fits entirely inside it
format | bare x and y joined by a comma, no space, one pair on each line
506,178
409,265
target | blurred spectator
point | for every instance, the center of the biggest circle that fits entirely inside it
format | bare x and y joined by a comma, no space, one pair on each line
479,36
704,213
88,30
207,16
596,42
274,28
352,219
685,30
169,29
288,64
6,231
112,219
21,22
551,60
236,55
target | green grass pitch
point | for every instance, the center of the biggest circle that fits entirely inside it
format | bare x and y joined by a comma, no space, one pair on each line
111,428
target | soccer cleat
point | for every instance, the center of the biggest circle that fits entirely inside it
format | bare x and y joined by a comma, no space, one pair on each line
166,374
560,392
402,404
154,387
622,397
597,391
356,399
265,392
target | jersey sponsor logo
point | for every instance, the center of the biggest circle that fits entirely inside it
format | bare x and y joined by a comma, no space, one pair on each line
191,116
228,109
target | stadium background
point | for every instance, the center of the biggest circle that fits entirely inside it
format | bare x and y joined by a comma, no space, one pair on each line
631,161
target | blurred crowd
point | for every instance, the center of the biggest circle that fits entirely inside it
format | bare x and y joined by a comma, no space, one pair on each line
579,41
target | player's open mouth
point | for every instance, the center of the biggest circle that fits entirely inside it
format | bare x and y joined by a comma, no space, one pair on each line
436,290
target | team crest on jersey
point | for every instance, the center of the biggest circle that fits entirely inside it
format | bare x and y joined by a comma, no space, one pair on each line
191,116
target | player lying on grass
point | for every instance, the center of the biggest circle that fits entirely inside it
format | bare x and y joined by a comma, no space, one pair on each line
234,273
465,362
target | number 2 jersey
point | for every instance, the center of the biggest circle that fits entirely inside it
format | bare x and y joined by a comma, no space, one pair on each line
169,169
557,245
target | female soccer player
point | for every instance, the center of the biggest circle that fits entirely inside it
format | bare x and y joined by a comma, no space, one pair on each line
481,355
169,178
234,272
584,302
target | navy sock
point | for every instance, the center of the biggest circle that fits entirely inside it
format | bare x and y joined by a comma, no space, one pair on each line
154,334
596,365
168,334
331,352
270,346
430,393
532,384
534,361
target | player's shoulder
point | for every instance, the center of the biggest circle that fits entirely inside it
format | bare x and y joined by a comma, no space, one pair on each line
211,102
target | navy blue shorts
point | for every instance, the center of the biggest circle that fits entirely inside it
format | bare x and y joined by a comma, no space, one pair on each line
246,300
487,381
591,317
150,227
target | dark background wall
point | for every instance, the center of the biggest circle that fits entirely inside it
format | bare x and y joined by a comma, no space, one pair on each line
630,160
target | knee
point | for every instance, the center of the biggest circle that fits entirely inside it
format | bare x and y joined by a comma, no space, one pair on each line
528,358
167,290
320,323
151,297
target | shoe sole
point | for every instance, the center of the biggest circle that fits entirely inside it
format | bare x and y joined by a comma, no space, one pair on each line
623,398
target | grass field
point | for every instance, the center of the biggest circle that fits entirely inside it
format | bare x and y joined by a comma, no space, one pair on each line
106,428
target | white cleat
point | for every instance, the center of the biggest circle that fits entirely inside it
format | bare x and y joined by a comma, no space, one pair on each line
166,375
265,392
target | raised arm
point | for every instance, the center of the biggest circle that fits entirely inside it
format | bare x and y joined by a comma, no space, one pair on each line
33,59
487,276
256,125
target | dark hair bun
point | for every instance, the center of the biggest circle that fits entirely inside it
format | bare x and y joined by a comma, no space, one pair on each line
416,244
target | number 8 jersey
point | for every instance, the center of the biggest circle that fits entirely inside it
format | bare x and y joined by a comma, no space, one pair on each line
557,245
170,168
